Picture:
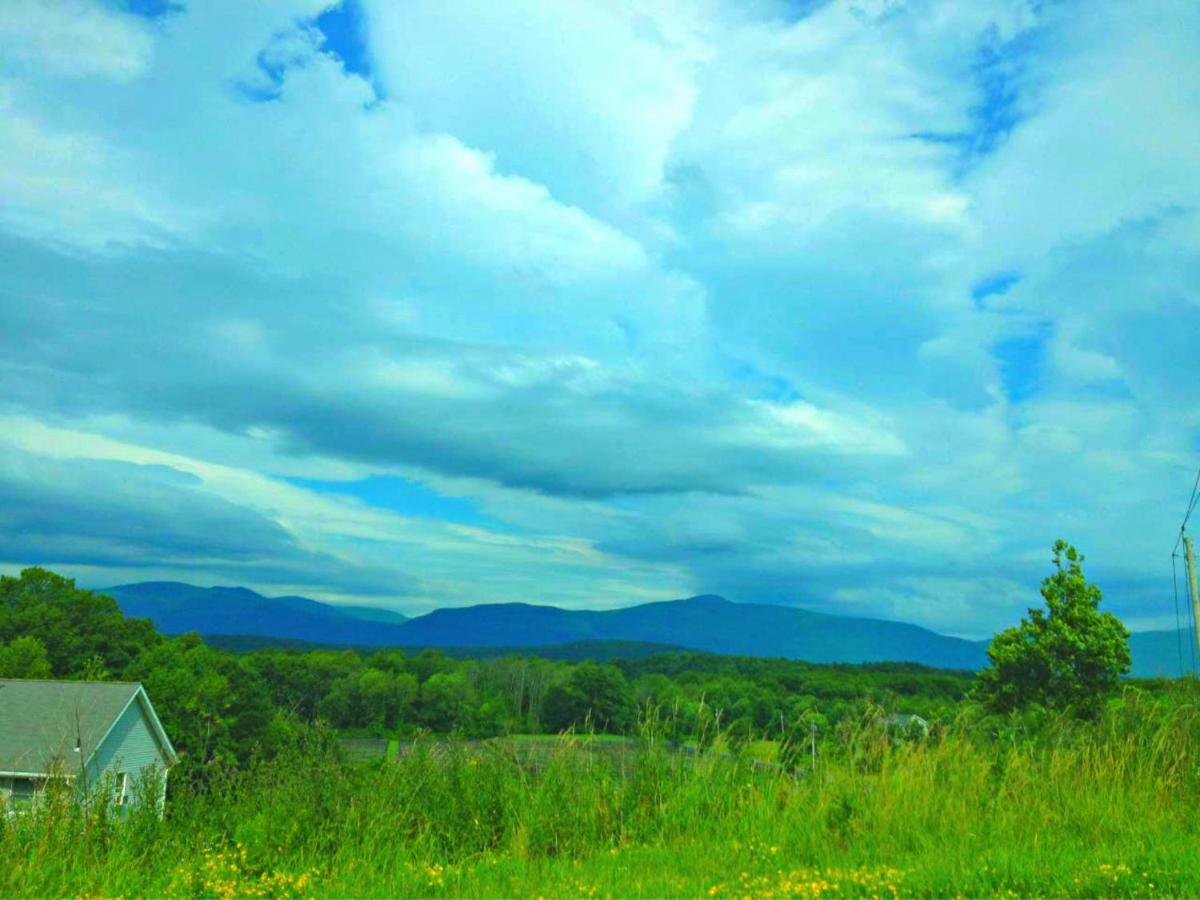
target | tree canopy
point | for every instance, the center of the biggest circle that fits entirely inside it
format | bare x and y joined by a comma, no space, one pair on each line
1067,656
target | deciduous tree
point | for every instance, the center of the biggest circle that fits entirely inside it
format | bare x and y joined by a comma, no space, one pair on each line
24,657
1067,656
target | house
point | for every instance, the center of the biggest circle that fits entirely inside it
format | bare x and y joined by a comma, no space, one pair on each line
906,724
98,730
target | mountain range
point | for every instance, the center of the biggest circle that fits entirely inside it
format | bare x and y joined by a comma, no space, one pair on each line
706,622
175,608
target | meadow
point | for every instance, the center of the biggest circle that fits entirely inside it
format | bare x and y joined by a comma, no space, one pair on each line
1036,805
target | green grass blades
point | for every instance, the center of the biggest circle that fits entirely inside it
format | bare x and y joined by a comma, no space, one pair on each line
1106,808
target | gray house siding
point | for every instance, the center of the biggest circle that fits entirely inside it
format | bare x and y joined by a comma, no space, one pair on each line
130,747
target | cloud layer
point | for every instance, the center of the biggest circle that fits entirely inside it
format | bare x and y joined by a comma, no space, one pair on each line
856,306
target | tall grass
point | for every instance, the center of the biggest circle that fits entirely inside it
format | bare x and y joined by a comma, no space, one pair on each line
1107,808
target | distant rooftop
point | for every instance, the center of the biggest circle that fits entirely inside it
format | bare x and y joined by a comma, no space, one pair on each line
42,722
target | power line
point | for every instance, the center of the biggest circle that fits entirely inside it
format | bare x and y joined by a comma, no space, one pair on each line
1191,507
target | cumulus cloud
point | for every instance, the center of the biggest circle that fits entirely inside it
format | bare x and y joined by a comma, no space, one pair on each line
73,39
857,306
585,98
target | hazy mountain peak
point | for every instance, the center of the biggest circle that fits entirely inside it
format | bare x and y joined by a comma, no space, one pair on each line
707,600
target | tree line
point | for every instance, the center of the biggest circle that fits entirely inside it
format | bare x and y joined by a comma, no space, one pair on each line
222,707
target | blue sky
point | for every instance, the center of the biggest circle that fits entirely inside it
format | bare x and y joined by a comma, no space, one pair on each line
856,306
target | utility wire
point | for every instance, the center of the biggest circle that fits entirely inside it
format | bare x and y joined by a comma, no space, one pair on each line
1191,507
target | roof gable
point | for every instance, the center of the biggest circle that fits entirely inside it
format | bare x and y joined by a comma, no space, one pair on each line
42,722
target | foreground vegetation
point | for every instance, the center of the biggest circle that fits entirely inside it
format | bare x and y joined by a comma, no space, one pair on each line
1031,806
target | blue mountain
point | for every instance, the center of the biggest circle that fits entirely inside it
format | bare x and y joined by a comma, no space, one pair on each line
700,623
706,622
176,607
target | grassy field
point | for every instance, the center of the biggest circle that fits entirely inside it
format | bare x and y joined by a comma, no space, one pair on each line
364,750
1106,809
367,750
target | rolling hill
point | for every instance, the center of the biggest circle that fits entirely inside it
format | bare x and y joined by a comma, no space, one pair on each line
574,651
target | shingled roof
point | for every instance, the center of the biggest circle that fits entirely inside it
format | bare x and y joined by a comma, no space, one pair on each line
42,721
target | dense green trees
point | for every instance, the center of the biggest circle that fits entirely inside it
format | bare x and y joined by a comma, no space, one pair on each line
209,702
79,629
222,708
371,698
593,694
24,657
1067,656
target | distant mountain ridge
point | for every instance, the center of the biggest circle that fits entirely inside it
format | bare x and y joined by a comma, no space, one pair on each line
1161,654
176,607
706,622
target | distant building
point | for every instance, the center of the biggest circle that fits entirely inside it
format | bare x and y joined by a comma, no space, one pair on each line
906,724
103,732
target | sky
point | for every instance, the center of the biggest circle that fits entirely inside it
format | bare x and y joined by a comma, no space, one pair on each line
855,306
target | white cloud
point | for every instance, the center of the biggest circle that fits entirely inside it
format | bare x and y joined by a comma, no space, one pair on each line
798,124
502,221
71,186
72,39
1112,135
582,97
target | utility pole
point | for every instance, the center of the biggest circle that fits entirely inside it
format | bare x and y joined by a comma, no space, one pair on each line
1189,558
